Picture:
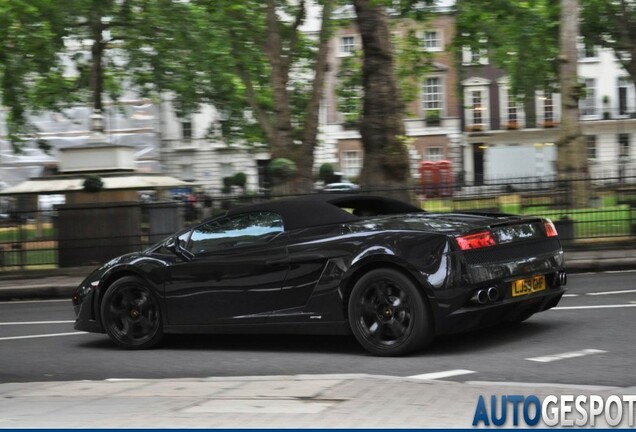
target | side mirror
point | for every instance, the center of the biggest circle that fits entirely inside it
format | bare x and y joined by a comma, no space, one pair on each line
172,244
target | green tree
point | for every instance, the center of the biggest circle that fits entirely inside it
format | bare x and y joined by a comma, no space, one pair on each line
386,161
277,72
411,63
535,43
521,37
282,170
611,24
571,147
326,173
106,44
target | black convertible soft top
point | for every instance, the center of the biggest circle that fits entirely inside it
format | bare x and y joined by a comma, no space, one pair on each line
324,209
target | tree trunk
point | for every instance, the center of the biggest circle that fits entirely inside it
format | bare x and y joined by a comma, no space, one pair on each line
279,79
305,158
572,166
386,162
97,67
280,58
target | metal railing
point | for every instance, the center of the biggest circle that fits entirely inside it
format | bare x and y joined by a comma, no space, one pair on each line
35,240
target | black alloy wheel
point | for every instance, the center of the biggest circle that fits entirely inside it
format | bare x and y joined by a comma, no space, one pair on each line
387,314
131,314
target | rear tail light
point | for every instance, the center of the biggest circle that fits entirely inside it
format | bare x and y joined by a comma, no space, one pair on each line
550,229
475,241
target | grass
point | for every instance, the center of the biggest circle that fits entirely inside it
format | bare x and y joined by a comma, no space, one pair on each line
608,220
26,232
28,258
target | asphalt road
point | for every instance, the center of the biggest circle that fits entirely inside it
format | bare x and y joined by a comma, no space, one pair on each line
590,340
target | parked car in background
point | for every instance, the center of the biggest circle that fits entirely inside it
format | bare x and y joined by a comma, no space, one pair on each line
341,187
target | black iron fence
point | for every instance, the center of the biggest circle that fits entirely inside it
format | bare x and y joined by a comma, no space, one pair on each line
73,235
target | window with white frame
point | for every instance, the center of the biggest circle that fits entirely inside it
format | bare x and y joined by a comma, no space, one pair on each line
351,163
548,108
591,146
186,130
623,145
350,102
433,95
624,85
587,51
434,154
476,101
588,104
512,110
432,40
477,107
347,44
475,55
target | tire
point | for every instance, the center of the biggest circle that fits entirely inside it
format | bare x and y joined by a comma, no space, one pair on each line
388,315
131,314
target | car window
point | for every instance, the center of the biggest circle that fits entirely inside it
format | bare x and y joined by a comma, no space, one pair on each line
245,229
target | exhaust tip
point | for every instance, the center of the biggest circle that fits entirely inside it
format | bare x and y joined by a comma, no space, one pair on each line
482,296
562,278
493,294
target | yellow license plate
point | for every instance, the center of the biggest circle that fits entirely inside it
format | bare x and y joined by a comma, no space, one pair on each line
528,286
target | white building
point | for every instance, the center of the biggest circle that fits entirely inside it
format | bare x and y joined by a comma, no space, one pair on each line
506,140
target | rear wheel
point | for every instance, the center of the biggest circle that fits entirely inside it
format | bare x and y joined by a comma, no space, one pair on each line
131,314
387,314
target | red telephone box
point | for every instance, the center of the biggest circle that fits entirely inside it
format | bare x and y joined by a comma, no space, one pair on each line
445,172
429,178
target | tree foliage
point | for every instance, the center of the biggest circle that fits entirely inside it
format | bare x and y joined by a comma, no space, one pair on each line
535,42
276,72
53,56
326,172
611,24
521,37
282,170
411,66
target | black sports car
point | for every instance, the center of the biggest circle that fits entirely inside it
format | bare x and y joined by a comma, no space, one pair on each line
390,273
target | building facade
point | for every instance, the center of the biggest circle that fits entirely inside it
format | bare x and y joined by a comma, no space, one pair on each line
508,140
432,121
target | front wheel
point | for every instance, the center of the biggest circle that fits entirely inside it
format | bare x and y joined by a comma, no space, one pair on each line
387,314
131,314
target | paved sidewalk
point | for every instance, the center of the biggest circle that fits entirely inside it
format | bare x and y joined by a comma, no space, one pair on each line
60,283
301,401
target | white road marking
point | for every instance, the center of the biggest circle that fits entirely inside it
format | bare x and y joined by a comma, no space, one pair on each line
35,322
600,272
543,385
35,301
570,295
567,355
41,336
595,307
122,379
444,374
611,292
